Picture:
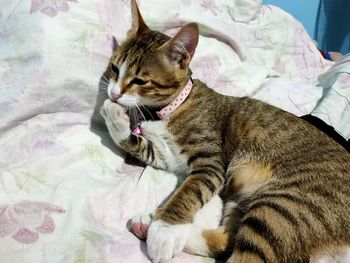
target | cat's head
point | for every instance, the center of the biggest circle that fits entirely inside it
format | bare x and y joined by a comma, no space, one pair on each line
150,68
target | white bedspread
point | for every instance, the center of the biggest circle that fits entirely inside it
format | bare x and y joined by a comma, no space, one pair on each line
65,196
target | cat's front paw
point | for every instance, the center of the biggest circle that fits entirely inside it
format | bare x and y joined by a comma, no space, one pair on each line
164,241
117,121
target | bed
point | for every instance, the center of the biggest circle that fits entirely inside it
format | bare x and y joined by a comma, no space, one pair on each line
66,192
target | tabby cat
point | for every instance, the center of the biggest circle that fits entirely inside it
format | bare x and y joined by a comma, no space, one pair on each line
284,184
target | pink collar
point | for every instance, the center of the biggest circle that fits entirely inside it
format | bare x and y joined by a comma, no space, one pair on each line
167,110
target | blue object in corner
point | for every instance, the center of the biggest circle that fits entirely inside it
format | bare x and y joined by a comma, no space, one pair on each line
326,21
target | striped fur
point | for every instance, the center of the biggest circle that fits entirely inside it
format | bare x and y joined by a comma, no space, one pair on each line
289,182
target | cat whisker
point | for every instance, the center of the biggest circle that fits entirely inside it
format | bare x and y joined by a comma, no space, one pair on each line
135,115
143,116
143,106
101,81
103,76
103,86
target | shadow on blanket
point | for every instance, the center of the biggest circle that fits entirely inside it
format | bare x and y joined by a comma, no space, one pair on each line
97,123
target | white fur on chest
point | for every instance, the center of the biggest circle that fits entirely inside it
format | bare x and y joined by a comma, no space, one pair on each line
157,132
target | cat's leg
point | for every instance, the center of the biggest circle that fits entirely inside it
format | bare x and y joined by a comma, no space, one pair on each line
172,225
244,179
283,225
261,234
118,124
204,230
197,242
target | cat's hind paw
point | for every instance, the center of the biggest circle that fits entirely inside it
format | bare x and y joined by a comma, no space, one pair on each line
139,225
164,241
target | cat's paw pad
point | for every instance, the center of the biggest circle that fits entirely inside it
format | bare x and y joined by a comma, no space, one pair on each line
139,225
164,241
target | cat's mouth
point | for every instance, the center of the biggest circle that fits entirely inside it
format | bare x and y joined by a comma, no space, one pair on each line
126,100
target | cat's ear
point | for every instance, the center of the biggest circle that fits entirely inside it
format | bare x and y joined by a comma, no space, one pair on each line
115,44
138,25
182,46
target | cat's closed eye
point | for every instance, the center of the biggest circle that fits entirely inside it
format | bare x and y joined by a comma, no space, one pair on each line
115,69
138,81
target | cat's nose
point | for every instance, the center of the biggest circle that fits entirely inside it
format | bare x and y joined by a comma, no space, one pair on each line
114,96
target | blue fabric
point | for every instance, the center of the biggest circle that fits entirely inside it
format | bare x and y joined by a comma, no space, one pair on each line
332,31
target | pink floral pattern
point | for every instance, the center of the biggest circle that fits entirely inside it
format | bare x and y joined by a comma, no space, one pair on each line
114,21
19,75
50,7
25,220
210,5
46,114
310,65
280,66
186,2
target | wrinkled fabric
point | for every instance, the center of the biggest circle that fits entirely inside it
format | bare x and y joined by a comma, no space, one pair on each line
65,194
334,107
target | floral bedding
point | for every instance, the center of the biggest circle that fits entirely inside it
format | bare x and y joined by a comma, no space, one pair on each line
66,193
